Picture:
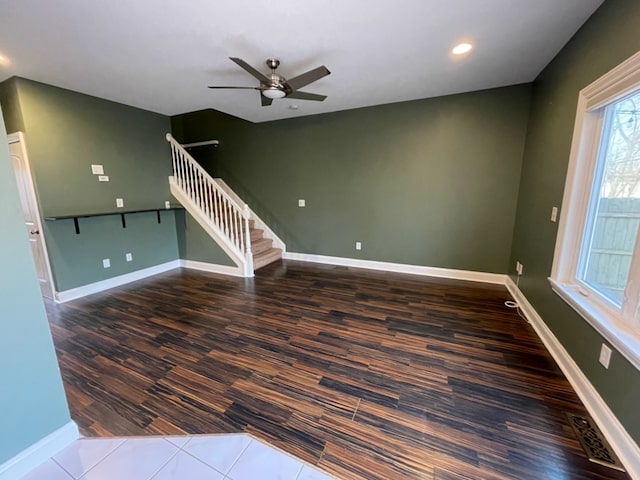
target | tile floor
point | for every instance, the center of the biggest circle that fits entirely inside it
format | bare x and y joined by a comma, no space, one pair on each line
197,457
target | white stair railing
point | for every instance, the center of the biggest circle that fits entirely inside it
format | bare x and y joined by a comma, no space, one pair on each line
223,214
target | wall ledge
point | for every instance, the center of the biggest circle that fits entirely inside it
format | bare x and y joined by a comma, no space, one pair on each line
39,452
625,447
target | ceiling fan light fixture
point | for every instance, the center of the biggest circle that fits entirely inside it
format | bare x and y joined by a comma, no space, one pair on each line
273,92
462,48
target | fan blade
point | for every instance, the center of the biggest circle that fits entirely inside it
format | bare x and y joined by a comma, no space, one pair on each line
298,95
251,70
238,88
306,78
265,101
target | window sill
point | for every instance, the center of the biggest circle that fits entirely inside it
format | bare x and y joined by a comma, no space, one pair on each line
621,336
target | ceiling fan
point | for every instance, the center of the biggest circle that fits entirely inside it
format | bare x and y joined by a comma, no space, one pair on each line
273,85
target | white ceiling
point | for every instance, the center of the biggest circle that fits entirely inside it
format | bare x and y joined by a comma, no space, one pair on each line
160,55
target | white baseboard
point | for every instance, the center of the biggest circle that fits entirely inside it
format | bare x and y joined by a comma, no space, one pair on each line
102,285
624,446
39,452
213,268
400,268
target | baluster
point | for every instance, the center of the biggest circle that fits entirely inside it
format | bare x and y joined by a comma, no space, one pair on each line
192,176
173,161
226,216
236,237
241,241
208,197
248,254
180,170
216,207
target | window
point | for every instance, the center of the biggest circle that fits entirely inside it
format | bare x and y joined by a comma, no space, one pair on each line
596,266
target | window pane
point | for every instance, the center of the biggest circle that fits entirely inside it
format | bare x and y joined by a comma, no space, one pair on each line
614,212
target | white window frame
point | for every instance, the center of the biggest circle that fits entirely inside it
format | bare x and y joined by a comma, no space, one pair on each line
621,327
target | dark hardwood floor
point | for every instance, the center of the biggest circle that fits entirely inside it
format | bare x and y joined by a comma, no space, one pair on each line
368,375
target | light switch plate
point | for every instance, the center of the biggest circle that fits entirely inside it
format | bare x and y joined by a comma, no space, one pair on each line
167,204
97,169
358,245
128,257
106,263
554,214
119,202
302,203
605,356
103,178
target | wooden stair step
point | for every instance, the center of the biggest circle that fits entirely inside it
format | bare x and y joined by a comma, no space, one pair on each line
256,234
261,245
265,258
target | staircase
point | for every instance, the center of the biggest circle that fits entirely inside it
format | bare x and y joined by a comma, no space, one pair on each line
245,238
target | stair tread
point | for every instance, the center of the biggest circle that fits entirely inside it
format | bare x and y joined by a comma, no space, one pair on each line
265,258
261,245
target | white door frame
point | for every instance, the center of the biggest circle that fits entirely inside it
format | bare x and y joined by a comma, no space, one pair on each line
18,137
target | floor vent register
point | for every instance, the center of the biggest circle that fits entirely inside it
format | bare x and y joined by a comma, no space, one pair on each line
593,442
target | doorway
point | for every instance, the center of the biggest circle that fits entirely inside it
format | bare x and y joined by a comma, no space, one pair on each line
31,213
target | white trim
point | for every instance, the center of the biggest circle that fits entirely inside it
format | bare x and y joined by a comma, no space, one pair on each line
619,334
259,223
213,268
210,227
42,450
619,325
102,285
18,137
400,268
624,446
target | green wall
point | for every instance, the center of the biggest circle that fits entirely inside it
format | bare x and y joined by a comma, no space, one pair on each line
607,39
32,403
66,132
11,106
196,244
431,182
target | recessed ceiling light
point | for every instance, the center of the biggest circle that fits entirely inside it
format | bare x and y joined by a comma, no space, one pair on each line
462,48
293,107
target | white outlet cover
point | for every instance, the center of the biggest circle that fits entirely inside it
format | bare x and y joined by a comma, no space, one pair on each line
554,214
358,246
302,203
103,178
106,263
128,257
119,202
605,356
167,204
97,169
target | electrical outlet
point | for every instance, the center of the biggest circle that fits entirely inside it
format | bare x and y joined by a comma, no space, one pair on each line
605,356
302,203
119,202
97,170
128,257
103,178
519,268
167,204
106,263
554,214
358,245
